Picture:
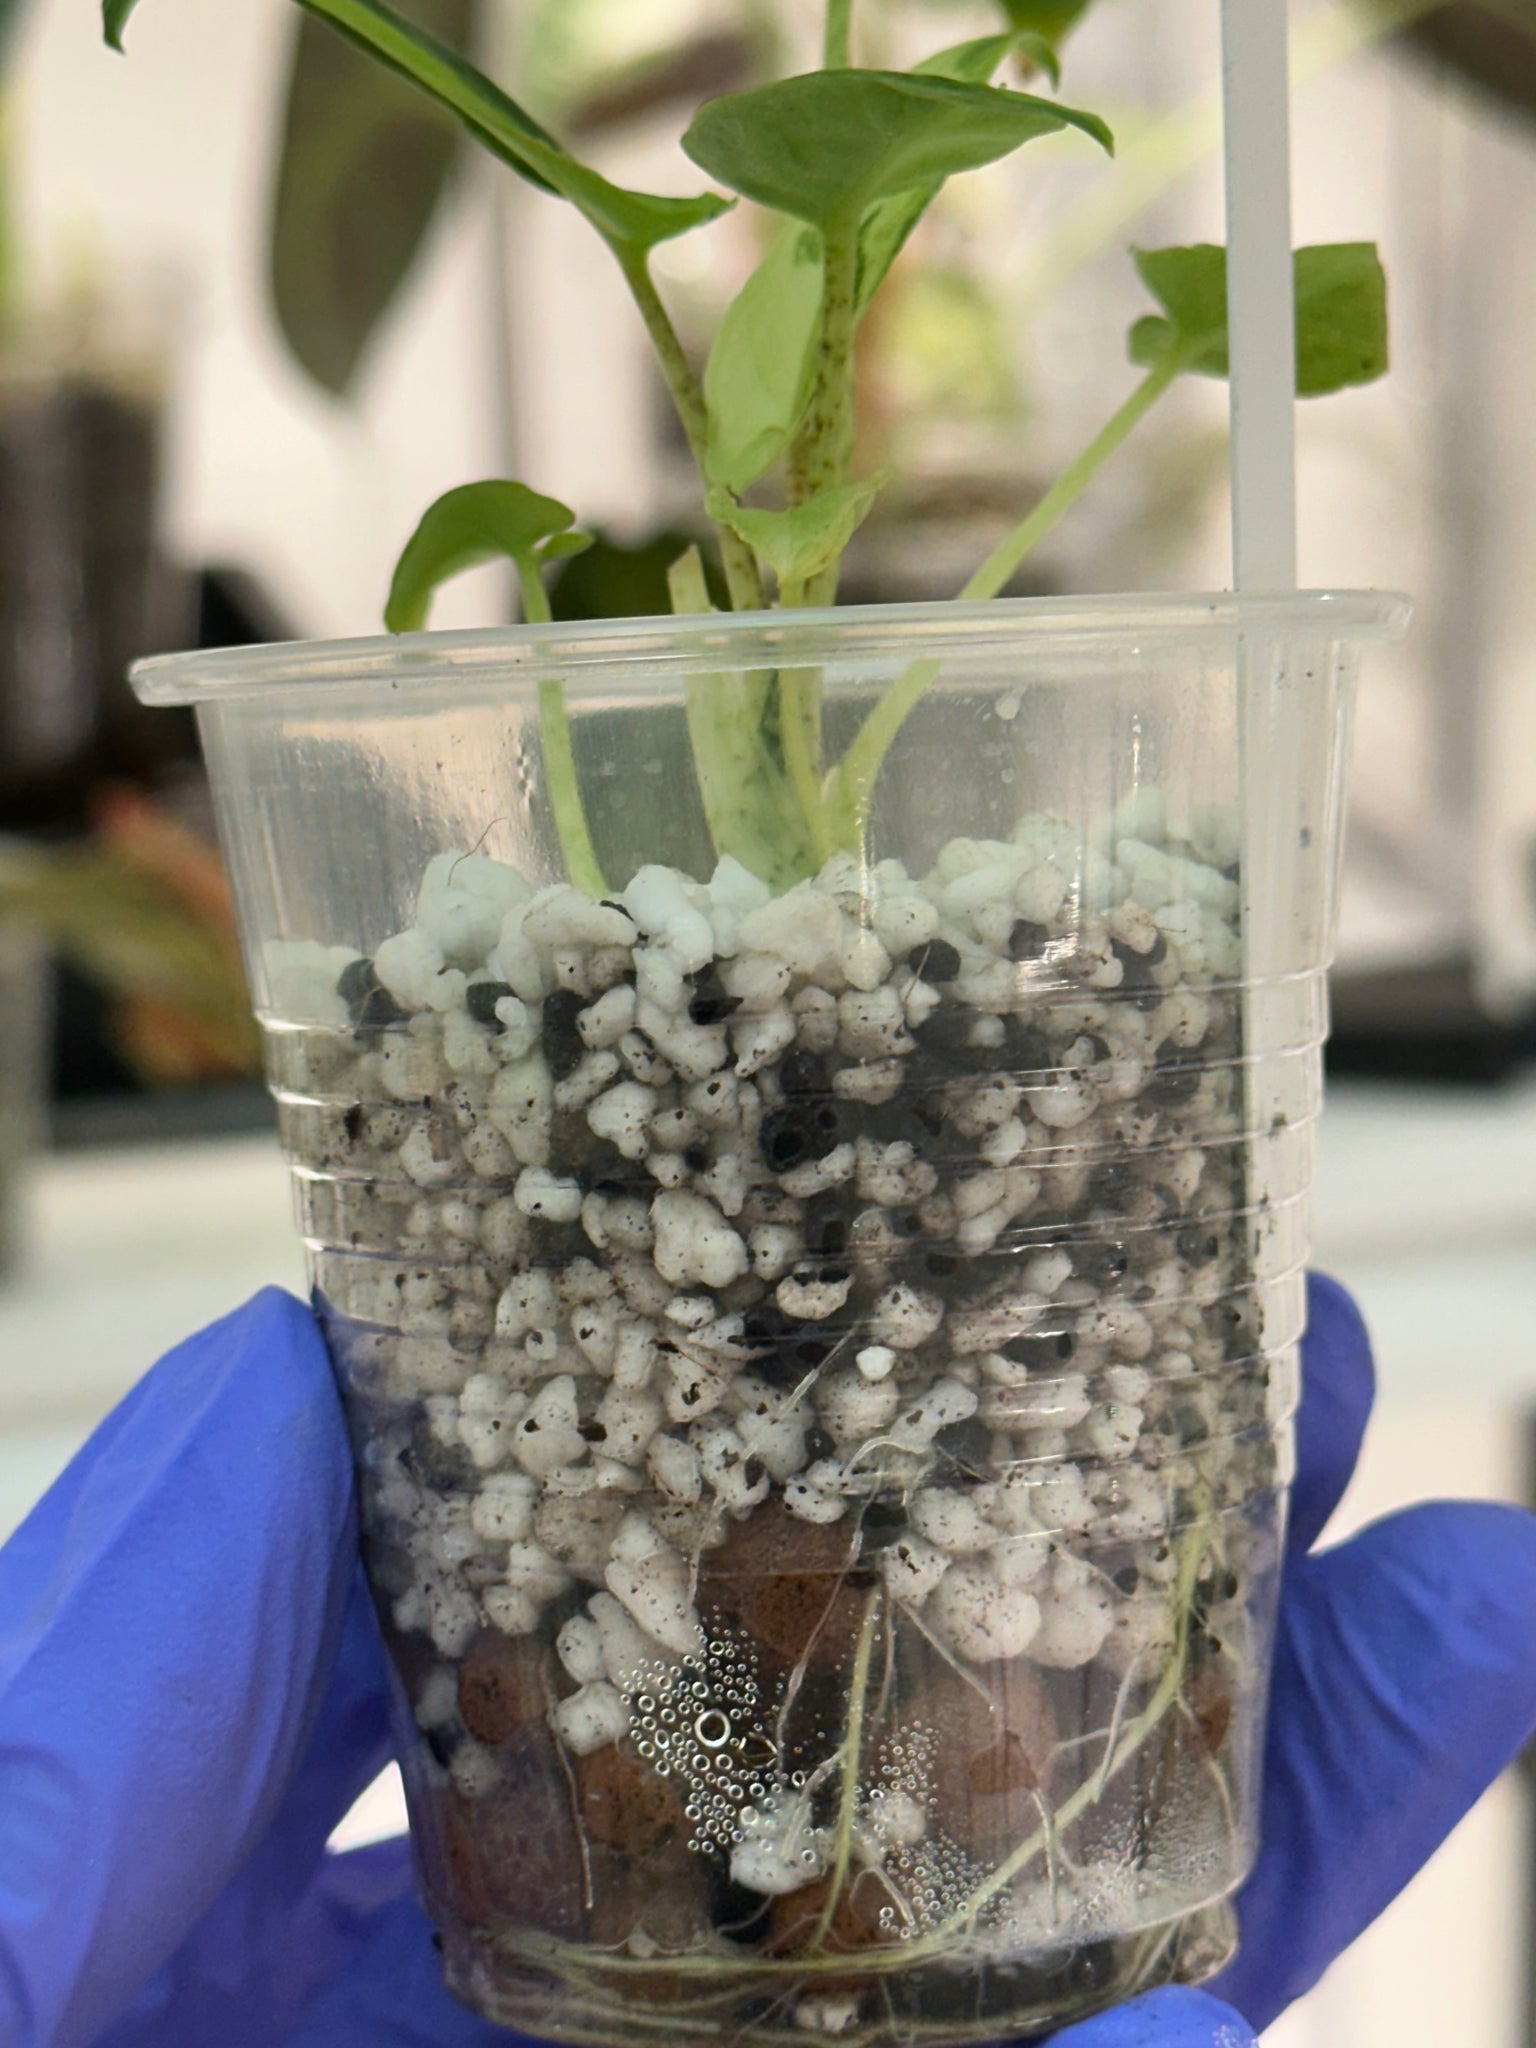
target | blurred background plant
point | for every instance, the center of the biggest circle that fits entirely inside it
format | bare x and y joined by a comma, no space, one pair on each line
141,908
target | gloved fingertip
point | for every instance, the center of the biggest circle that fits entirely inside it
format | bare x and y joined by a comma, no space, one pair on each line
391,1994
1174,2017
169,1620
367,1879
1338,1387
1404,1683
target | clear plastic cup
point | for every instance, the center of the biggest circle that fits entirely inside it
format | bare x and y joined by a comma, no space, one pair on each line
819,1342
24,1012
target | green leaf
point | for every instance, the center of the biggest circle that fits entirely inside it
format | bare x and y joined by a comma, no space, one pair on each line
11,12
1191,287
886,227
364,161
1341,314
475,523
631,222
1048,18
757,382
620,580
561,546
824,146
802,541
1341,317
977,60
114,19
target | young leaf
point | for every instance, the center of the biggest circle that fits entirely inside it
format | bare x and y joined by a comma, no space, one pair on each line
1341,317
483,522
114,19
561,546
887,225
1191,287
823,146
1341,314
800,542
978,60
1048,18
11,12
364,162
630,222
757,381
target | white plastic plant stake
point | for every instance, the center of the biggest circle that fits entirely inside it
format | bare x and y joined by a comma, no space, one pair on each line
1261,339
1261,308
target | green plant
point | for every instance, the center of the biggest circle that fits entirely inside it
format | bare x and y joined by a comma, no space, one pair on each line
848,160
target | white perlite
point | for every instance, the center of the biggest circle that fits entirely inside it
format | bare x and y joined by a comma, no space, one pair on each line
893,1214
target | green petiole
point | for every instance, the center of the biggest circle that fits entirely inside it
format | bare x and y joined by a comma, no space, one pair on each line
819,459
576,848
742,575
749,805
800,737
854,780
837,40
1011,551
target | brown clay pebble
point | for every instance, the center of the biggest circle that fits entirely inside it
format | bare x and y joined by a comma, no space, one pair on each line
504,1685
658,1906
992,1750
662,1898
624,1805
855,1923
786,1582
512,1856
1211,1704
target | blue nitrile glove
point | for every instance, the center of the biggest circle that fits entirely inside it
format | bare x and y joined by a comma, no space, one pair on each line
191,1695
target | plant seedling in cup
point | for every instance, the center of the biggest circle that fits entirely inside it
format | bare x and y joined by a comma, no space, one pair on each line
821,1443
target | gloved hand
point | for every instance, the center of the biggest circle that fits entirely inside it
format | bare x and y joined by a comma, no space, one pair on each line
192,1694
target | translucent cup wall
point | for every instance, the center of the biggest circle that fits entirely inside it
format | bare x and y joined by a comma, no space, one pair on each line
819,1342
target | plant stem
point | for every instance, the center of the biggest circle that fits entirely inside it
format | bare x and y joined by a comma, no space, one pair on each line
838,40
748,804
687,586
1005,558
576,848
800,737
741,571
856,774
712,761
564,792
819,460
854,781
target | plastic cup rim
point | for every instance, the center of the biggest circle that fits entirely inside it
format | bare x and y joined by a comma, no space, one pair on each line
646,648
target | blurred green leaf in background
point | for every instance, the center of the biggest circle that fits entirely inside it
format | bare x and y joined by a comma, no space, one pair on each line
364,162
